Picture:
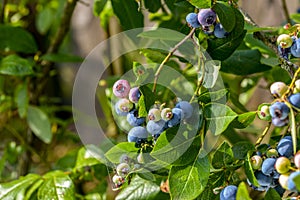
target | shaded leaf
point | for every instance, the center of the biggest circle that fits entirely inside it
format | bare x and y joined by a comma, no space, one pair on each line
120,149
39,124
201,3
225,14
152,5
249,171
212,68
44,20
145,104
223,156
241,149
213,96
16,66
21,98
61,58
98,6
272,195
243,120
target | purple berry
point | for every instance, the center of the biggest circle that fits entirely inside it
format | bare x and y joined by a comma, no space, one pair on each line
134,94
186,107
268,166
285,146
192,20
134,120
229,193
294,99
121,88
279,110
207,17
219,31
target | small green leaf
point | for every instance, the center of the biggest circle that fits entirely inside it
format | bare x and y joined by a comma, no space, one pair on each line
243,120
162,34
120,149
16,39
56,186
241,149
295,17
39,124
22,99
128,13
226,15
244,62
61,58
211,74
152,5
140,72
201,3
188,182
242,193
98,6
11,189
33,189
44,20
254,43
223,156
218,117
16,66
272,194
213,96
85,158
249,171
145,104
139,189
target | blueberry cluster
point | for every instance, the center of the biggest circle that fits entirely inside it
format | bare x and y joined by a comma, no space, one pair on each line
208,21
288,45
229,193
279,111
269,165
158,120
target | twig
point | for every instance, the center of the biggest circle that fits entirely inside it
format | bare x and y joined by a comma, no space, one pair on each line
259,140
168,57
3,11
286,11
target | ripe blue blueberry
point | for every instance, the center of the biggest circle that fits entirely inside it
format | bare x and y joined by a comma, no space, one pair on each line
219,31
134,94
177,116
268,166
156,127
284,52
136,133
192,20
133,119
186,107
294,99
295,48
291,183
121,88
228,193
285,146
207,17
279,110
263,180
278,122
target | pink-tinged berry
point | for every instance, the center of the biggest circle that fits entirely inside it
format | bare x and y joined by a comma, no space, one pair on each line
283,180
166,114
282,165
278,89
121,88
284,41
134,94
207,17
118,180
297,159
124,105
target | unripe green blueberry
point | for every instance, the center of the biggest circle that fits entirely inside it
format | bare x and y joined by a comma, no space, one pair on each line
140,158
166,114
272,153
282,165
264,112
297,159
118,180
283,180
278,88
297,86
154,114
284,41
123,169
256,161
124,105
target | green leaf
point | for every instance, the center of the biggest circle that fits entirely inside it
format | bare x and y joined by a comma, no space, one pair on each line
152,5
243,120
39,124
244,62
214,96
212,68
128,13
61,58
242,192
223,156
44,20
295,17
272,195
16,39
33,189
218,117
85,158
201,3
162,34
145,104
120,149
249,171
98,6
21,98
225,14
254,43
57,186
140,72
16,66
175,146
139,189
11,189
188,182
222,48
241,149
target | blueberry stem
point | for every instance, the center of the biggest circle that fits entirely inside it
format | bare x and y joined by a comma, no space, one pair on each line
259,140
168,57
201,79
286,11
292,85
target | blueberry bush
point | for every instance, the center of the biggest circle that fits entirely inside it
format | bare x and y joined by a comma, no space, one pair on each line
174,113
